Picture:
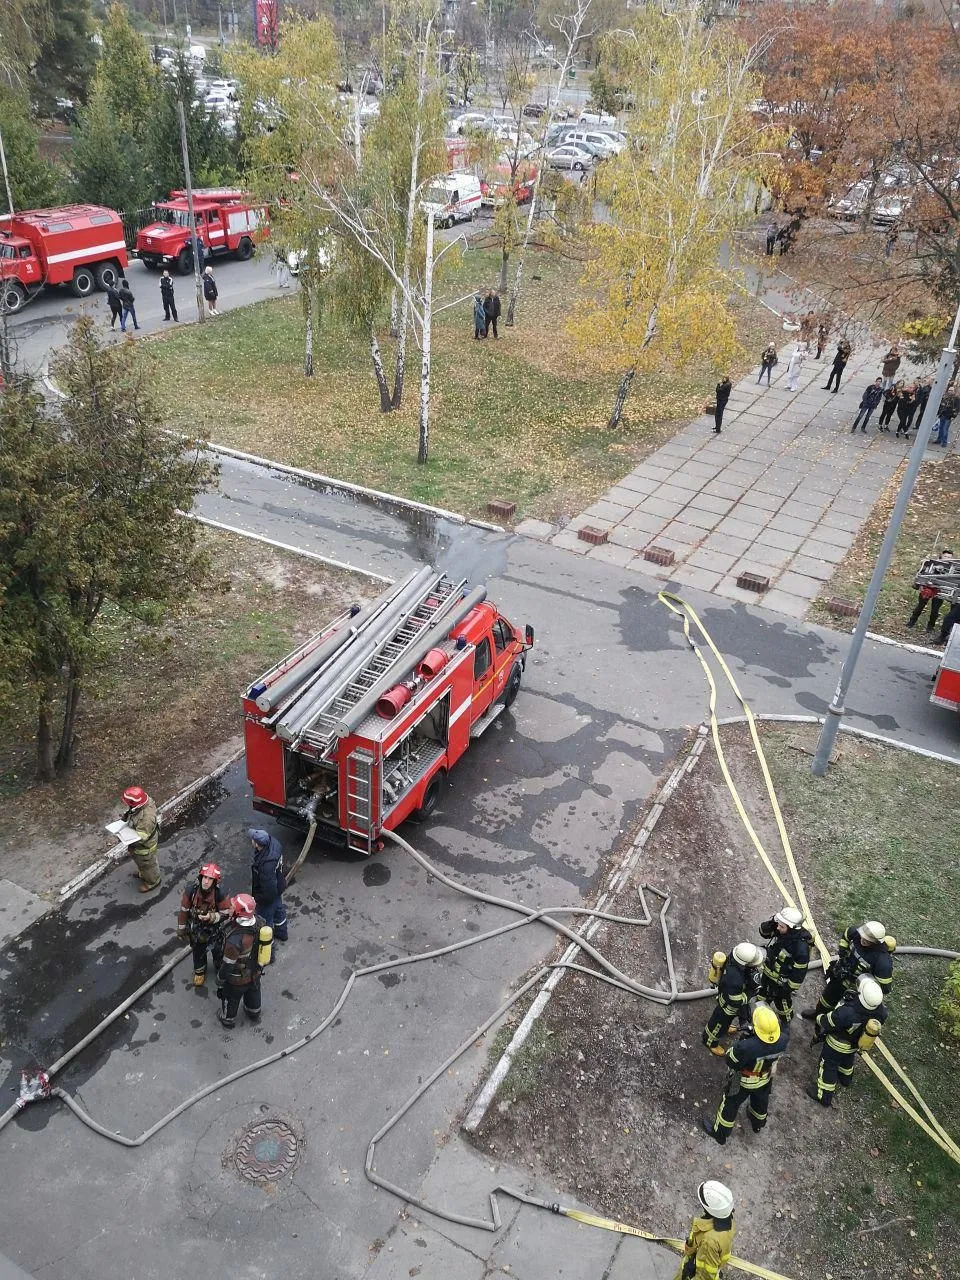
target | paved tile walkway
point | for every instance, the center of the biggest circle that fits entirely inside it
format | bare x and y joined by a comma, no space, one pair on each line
782,491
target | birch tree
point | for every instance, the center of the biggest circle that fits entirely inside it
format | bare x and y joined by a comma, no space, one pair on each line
655,290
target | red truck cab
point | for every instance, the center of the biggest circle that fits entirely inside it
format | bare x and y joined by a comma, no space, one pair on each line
357,730
228,222
81,245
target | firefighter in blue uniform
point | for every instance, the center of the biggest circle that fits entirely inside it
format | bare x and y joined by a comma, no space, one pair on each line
786,960
737,984
752,1060
864,949
846,1031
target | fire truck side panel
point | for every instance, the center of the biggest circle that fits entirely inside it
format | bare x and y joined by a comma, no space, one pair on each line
946,688
266,763
60,241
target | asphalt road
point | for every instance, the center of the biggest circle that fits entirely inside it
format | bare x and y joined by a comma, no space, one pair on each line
44,323
533,811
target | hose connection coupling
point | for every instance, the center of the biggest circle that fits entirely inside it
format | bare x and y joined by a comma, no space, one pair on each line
34,1087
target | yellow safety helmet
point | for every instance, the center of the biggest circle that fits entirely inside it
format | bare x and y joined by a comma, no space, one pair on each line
766,1024
890,942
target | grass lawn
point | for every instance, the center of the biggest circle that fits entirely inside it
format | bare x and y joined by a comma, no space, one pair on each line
166,709
880,834
933,514
522,418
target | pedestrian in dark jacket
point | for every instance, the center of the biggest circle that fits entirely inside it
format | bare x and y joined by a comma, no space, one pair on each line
491,312
868,402
269,881
768,359
116,306
891,398
167,298
772,232
891,363
210,291
722,395
126,302
905,407
949,408
920,402
839,364
479,316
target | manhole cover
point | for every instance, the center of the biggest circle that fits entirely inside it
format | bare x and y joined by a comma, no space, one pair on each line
267,1151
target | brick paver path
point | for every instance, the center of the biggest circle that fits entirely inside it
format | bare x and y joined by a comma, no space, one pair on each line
781,492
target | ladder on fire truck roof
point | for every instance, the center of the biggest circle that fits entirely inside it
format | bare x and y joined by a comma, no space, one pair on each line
320,732
942,572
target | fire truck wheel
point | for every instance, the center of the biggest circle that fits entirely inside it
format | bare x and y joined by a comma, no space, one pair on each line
83,282
184,262
13,297
107,275
245,249
431,797
513,685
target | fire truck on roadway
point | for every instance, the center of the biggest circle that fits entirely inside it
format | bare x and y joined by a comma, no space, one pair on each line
80,245
939,576
356,730
228,221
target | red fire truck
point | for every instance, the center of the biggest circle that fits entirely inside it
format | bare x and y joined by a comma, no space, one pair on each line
356,730
81,245
227,222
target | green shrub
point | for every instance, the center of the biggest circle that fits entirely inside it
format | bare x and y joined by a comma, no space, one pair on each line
948,1005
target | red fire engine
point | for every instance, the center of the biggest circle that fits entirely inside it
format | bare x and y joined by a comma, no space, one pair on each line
81,245
356,730
939,576
227,222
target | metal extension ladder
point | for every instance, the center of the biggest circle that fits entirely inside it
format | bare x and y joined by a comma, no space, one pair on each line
320,734
360,801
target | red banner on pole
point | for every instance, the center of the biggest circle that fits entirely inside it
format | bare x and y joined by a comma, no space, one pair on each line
265,23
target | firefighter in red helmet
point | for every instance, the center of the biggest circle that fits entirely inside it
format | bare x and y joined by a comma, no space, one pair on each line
203,908
245,952
140,813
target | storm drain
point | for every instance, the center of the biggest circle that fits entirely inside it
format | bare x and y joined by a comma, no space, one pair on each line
267,1151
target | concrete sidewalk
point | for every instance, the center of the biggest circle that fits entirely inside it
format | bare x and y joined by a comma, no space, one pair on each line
782,492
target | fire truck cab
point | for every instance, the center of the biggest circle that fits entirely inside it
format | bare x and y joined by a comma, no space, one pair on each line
227,222
81,245
357,729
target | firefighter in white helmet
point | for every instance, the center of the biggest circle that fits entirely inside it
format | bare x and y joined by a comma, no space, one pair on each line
864,949
737,979
786,960
709,1243
850,1028
140,813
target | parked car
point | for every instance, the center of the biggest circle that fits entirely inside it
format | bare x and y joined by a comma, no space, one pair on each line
535,110
558,134
593,115
469,120
600,144
570,157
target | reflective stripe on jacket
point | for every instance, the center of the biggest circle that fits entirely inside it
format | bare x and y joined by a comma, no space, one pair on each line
707,1248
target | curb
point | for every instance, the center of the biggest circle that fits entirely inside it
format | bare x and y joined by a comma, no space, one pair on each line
284,546
118,852
345,486
903,644
496,1078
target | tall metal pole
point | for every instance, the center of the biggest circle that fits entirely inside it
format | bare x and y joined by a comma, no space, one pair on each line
831,723
193,221
6,175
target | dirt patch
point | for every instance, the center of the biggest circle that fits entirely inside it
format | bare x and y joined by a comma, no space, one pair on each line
607,1097
166,710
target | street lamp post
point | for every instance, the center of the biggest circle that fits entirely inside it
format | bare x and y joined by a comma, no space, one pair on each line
197,247
831,723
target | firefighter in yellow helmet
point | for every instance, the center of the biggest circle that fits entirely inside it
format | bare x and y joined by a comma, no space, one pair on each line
752,1060
710,1241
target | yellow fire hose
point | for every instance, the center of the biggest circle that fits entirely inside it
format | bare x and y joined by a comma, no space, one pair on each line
930,1125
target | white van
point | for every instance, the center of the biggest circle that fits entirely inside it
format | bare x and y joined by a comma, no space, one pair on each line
453,197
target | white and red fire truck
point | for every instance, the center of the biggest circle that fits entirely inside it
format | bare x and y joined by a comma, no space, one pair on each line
356,730
81,245
939,575
228,221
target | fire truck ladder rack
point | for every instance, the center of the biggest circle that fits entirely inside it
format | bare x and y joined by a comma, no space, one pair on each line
434,602
946,580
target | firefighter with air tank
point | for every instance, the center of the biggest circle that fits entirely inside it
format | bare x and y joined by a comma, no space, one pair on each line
737,979
864,949
247,945
850,1028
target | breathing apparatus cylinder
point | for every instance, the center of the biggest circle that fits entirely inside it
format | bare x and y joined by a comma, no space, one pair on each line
264,946
868,1037
717,961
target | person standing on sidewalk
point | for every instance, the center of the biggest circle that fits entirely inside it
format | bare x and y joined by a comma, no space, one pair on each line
905,407
891,398
891,363
116,305
868,402
210,291
821,338
920,402
794,365
839,364
722,395
767,360
949,408
772,232
167,298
